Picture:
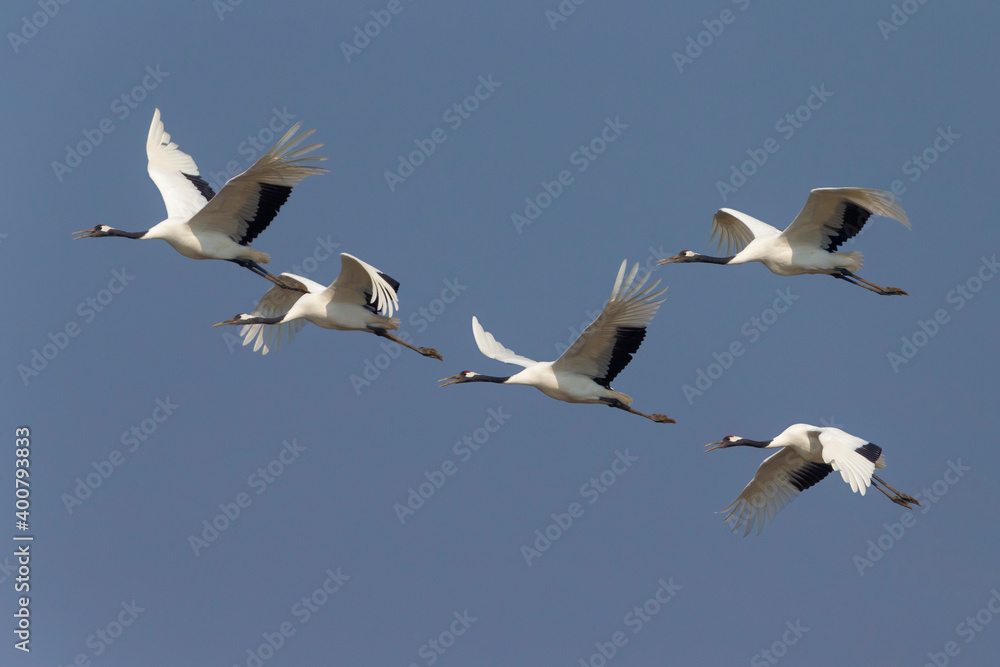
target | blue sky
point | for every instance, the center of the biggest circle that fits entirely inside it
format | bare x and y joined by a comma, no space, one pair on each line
628,127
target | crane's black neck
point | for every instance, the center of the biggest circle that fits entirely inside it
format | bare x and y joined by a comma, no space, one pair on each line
488,378
744,442
262,320
705,259
123,234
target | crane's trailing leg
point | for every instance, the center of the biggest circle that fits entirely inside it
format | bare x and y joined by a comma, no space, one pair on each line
263,273
658,418
899,498
426,351
878,289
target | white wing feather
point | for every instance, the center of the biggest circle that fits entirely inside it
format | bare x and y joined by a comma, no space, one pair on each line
356,280
231,211
167,167
276,302
822,217
632,305
768,492
853,467
493,349
736,229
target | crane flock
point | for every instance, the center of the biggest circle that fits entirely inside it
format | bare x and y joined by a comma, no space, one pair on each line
202,224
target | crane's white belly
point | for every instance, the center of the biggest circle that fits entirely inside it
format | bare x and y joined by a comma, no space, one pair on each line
568,387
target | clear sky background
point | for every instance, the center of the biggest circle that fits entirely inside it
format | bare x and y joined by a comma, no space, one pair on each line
916,106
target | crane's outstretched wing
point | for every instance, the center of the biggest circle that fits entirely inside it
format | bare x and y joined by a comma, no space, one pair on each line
831,216
736,229
493,349
854,463
176,175
362,284
247,203
607,344
275,303
779,479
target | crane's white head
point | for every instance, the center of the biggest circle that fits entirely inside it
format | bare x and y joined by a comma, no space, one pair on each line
464,376
680,258
99,230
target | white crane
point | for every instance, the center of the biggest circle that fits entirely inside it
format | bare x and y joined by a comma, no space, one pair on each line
362,298
808,454
830,217
584,372
203,225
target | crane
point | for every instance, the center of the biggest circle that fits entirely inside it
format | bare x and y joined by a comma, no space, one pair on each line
201,224
362,298
830,217
584,372
807,455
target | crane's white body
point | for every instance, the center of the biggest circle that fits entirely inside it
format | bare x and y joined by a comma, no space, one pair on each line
584,372
562,385
360,299
804,452
809,244
200,244
781,255
201,224
805,245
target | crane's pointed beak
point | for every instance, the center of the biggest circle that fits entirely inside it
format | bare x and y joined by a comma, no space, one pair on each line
455,379
235,320
83,233
670,260
716,445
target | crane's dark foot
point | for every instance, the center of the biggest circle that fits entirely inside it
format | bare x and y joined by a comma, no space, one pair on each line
893,291
904,500
430,352
662,419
